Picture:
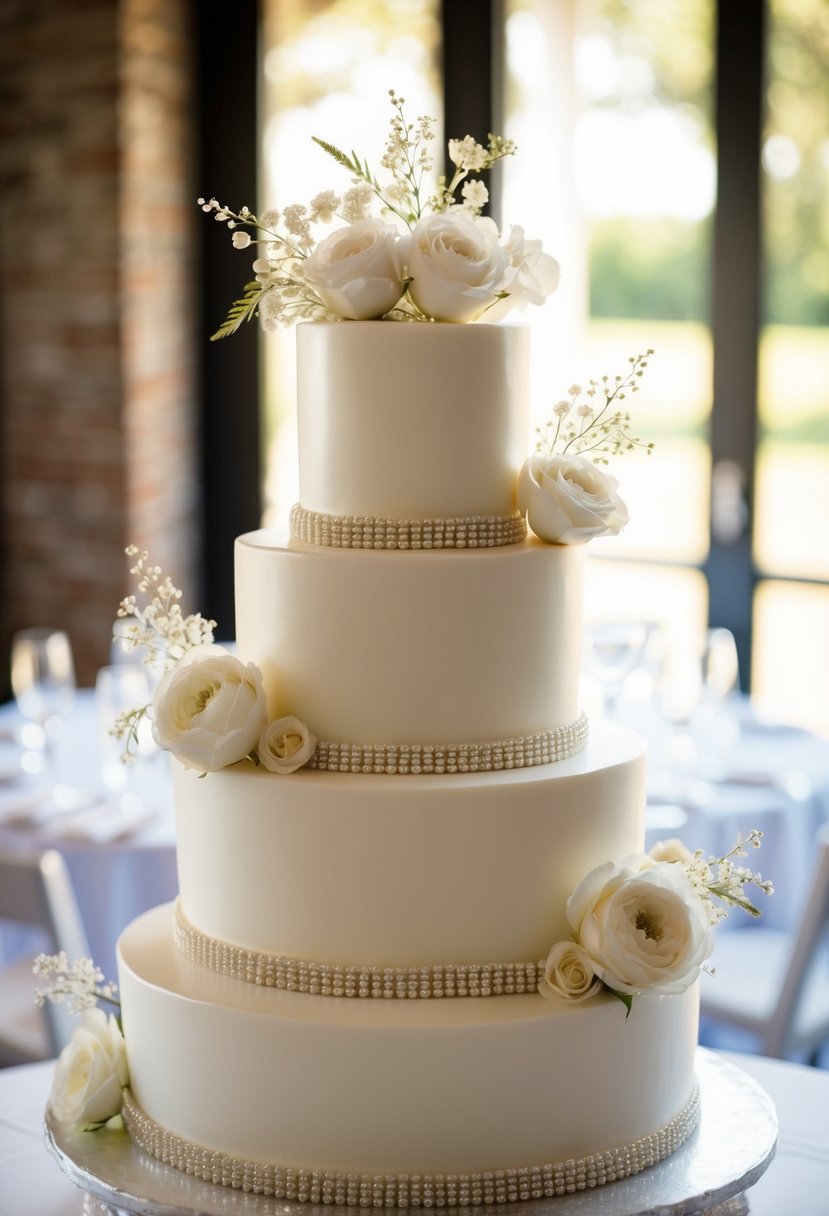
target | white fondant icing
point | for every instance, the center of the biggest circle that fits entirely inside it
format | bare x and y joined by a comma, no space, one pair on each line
393,1086
394,647
404,871
411,421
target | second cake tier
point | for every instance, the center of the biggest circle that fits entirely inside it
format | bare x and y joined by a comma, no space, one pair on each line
402,648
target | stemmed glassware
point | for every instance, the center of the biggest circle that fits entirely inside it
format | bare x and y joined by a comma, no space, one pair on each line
693,687
615,648
118,688
43,683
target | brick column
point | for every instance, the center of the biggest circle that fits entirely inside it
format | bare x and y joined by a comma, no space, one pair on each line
97,443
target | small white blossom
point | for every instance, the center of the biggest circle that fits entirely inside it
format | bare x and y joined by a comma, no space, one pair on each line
356,203
324,206
475,194
81,985
467,154
240,240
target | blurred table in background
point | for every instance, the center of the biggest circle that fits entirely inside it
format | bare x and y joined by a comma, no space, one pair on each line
712,781
121,855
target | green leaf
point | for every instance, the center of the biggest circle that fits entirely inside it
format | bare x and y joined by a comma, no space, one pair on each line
240,311
625,998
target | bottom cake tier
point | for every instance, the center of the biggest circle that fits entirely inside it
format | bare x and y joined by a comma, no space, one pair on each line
368,1101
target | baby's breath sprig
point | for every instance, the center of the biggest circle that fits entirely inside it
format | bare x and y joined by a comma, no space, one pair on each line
82,985
160,625
279,293
161,629
579,427
720,879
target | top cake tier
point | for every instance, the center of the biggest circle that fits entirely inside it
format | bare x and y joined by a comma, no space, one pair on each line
411,421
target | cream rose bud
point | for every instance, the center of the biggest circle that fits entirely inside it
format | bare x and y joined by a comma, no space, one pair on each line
568,500
285,745
91,1071
456,266
670,850
532,277
642,925
209,710
569,974
358,271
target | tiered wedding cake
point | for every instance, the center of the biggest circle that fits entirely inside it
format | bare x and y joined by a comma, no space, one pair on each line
418,957
456,803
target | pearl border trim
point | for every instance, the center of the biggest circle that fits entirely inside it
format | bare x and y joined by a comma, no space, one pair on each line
524,751
370,532
410,1190
334,979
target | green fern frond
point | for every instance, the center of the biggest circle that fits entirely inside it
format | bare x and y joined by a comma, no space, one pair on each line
240,311
351,163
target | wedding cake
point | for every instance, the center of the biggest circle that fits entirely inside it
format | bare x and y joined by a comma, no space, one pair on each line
345,999
419,956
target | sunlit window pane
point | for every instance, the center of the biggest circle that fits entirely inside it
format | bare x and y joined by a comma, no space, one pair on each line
674,599
610,106
791,666
791,662
327,72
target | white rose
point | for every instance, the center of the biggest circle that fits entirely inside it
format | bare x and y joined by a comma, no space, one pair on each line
91,1071
285,745
642,924
533,275
670,850
358,270
209,709
569,974
456,266
567,499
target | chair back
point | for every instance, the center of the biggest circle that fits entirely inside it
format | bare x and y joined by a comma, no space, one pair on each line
36,889
781,1035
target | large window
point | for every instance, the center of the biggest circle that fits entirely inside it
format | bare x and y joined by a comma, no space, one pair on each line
791,609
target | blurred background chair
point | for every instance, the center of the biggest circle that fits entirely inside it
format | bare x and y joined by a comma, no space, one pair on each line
36,890
775,985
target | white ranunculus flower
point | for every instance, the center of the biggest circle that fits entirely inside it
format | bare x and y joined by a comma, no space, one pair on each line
358,271
209,709
569,974
91,1071
285,745
642,924
456,265
532,277
568,500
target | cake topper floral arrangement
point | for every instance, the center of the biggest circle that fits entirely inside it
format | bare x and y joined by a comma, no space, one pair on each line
431,255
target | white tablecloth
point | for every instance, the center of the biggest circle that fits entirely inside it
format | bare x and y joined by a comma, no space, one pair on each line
114,880
750,774
795,1184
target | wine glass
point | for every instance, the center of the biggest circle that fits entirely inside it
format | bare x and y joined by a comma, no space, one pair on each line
694,683
43,683
615,648
119,688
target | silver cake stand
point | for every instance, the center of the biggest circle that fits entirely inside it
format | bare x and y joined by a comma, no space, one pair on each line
708,1176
